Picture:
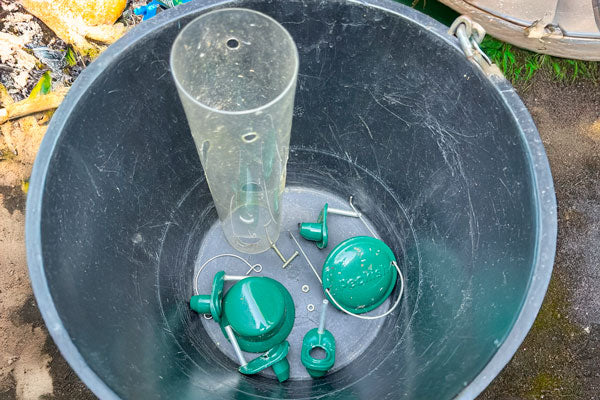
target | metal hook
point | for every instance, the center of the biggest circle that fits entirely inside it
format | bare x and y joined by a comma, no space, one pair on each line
256,267
360,216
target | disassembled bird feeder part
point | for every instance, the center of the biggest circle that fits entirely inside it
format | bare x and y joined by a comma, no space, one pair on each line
275,358
317,231
256,315
359,275
318,338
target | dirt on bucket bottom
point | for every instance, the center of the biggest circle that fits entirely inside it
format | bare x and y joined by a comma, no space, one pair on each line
560,356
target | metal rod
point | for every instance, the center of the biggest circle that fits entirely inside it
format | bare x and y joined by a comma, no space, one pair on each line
337,211
305,257
234,277
255,267
278,252
322,320
362,219
290,259
274,247
236,346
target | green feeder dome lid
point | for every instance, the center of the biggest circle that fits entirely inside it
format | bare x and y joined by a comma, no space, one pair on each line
359,274
260,311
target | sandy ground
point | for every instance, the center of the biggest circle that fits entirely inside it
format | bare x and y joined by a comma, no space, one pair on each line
30,364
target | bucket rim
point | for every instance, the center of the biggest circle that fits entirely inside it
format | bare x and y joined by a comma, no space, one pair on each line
545,198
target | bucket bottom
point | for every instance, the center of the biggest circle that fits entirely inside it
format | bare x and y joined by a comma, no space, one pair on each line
353,336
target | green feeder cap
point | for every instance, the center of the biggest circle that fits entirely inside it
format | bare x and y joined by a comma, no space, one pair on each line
317,367
359,274
316,231
275,358
204,303
260,311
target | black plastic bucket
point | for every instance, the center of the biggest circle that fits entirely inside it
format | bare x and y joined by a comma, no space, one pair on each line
444,161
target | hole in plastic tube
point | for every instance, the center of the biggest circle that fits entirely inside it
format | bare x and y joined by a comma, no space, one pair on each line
233,43
251,187
250,137
204,149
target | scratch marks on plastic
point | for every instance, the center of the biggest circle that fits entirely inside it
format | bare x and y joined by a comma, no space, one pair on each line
387,109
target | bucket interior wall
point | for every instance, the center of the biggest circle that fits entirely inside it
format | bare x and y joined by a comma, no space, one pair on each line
385,111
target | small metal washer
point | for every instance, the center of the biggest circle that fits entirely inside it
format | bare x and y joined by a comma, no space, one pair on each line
305,288
310,307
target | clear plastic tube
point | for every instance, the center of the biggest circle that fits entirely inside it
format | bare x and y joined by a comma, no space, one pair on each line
235,71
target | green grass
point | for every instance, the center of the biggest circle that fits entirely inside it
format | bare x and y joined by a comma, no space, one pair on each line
43,86
434,9
519,65
70,57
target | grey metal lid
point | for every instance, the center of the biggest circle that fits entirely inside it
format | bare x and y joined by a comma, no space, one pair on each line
564,28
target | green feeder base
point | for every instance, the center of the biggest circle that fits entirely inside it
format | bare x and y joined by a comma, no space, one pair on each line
318,367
